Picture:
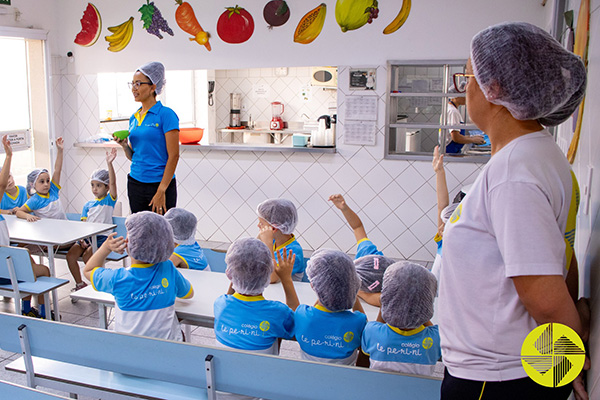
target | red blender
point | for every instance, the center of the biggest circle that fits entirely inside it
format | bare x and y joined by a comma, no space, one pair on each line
276,121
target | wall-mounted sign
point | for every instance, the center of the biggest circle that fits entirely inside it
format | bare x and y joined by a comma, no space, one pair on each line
363,78
19,140
5,2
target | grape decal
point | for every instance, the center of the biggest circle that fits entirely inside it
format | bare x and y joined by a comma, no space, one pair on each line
154,23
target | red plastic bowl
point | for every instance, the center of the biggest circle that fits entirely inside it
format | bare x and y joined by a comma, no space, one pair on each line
190,135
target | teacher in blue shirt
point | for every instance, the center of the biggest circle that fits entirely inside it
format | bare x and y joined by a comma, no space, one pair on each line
152,145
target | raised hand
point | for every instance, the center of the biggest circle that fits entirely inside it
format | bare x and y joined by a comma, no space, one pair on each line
7,146
338,201
110,156
265,235
60,143
116,244
285,263
438,160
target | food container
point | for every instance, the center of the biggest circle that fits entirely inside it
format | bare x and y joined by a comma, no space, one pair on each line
300,140
190,135
257,138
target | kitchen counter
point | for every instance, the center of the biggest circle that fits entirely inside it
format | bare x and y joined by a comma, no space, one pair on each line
227,147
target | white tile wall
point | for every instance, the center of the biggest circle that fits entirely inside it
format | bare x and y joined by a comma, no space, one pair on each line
395,198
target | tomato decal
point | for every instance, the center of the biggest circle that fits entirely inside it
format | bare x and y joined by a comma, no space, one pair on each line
235,25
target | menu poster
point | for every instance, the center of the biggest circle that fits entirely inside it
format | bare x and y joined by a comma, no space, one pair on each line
363,78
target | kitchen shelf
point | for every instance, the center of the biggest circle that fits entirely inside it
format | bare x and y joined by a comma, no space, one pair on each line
114,120
227,147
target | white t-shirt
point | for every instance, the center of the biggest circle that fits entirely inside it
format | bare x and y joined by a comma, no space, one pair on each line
453,117
513,222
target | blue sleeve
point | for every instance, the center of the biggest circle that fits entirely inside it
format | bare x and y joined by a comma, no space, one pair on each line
84,212
364,340
170,120
54,188
102,279
287,323
366,248
111,202
184,287
33,203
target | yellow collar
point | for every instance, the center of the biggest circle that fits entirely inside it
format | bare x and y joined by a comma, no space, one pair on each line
141,265
321,308
407,332
100,199
16,195
283,245
248,298
140,117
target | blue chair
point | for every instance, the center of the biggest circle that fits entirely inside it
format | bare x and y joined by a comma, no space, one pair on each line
305,277
216,259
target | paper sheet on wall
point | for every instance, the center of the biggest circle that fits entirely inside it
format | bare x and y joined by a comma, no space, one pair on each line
360,132
360,125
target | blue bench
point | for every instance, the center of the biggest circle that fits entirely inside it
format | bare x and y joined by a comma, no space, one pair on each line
15,265
12,391
216,259
110,365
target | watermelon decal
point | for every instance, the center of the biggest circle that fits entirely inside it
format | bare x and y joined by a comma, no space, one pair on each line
91,26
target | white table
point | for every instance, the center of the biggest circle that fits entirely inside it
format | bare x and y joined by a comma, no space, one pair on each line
208,286
51,233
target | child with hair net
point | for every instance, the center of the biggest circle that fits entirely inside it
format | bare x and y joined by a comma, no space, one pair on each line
330,331
38,269
370,262
406,342
187,253
244,319
145,293
281,216
104,189
14,197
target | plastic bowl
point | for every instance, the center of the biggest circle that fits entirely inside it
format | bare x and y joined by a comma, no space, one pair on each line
121,134
190,135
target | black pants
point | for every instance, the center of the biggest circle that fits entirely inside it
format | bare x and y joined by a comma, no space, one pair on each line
140,194
517,389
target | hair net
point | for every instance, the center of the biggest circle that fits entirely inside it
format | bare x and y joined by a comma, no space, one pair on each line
523,68
280,213
149,236
32,178
447,212
249,266
183,223
100,175
155,71
407,295
333,277
370,270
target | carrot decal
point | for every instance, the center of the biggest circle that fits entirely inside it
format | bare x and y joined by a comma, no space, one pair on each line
186,19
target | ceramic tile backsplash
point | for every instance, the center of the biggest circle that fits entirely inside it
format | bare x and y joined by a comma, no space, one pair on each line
394,198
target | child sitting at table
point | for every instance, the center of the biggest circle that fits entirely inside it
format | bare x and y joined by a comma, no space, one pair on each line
145,293
370,262
244,319
406,342
282,217
38,269
14,197
187,253
328,331
45,200
104,189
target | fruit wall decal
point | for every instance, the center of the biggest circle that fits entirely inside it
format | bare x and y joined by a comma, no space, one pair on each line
153,20
310,25
352,14
235,25
400,18
276,13
186,19
121,35
91,26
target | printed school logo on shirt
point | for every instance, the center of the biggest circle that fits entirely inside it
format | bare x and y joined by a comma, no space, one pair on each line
265,326
165,283
456,214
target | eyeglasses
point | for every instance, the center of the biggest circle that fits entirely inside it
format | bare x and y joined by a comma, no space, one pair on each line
137,84
461,80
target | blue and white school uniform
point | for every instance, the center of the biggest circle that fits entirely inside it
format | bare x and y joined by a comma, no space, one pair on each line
299,265
47,205
193,256
437,262
252,323
364,247
327,336
145,297
4,236
414,351
101,211
147,139
9,202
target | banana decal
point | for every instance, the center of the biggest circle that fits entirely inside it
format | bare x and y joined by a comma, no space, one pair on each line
121,35
310,25
400,18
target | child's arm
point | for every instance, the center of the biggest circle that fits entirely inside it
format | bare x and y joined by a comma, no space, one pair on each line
441,187
265,235
284,269
5,173
60,146
373,299
358,306
24,213
353,219
112,177
175,260
116,244
230,290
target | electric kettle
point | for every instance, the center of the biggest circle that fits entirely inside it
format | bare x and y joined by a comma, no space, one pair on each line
324,135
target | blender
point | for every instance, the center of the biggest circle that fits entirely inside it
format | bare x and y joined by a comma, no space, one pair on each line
235,104
276,121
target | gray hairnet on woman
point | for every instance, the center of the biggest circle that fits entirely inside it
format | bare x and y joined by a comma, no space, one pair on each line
508,263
